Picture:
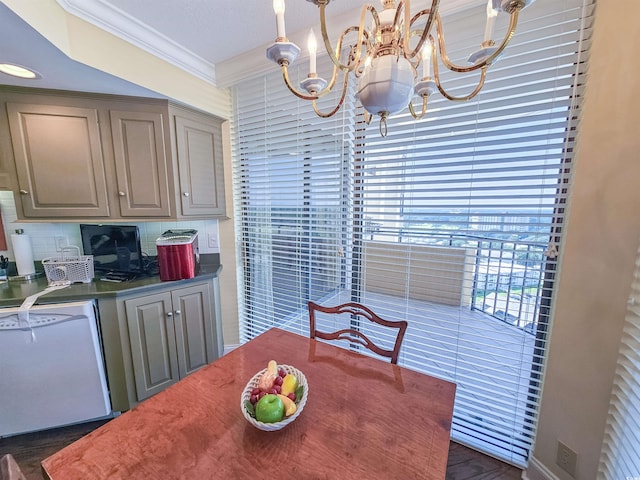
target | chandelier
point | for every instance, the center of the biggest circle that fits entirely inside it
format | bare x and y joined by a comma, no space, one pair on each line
395,58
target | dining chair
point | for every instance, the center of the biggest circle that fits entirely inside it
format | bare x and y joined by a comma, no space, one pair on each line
9,469
352,334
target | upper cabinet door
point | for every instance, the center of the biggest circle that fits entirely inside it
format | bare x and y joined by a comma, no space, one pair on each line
200,166
59,161
141,164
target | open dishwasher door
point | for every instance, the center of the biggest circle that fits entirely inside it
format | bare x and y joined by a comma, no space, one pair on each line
51,368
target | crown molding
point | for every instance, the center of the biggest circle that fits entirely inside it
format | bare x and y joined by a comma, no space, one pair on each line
113,20
117,22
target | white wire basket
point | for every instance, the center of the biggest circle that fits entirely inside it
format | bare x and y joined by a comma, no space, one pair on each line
272,427
69,267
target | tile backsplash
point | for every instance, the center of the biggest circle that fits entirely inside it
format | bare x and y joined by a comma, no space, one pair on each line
44,236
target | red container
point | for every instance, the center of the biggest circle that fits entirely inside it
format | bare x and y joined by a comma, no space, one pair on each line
178,255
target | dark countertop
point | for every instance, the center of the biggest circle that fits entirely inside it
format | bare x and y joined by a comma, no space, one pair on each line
13,292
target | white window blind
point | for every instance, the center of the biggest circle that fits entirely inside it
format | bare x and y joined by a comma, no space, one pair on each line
621,448
451,223
290,205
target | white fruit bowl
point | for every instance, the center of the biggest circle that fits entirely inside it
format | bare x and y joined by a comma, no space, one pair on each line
300,403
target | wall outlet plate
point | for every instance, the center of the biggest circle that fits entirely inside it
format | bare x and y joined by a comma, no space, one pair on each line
61,242
567,459
212,241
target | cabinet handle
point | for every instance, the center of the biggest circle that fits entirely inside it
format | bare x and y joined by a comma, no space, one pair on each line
178,312
186,194
122,194
169,314
24,192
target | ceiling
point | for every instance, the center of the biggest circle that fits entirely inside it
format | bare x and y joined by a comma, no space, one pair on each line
219,41
24,46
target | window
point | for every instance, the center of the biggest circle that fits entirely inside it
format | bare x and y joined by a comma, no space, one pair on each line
451,223
620,457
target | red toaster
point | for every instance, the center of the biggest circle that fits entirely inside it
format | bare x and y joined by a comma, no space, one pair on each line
178,255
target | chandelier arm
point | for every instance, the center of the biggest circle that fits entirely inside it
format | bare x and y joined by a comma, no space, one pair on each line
487,61
483,74
334,54
433,16
331,83
334,75
353,57
340,102
287,82
424,108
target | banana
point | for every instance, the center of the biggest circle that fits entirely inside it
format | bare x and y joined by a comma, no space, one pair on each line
290,406
268,377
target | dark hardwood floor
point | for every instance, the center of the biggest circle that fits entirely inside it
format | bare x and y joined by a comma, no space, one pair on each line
30,449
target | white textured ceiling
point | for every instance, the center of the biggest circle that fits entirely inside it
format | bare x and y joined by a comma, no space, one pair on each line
224,40
219,30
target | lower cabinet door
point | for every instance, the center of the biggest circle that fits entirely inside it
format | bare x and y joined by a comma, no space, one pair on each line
194,327
151,327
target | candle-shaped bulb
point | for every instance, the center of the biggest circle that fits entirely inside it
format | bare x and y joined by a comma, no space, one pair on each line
427,53
492,13
278,7
313,48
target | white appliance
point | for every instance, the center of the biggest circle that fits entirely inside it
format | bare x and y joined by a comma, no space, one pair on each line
51,367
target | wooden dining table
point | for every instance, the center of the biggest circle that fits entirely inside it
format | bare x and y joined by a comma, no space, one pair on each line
364,419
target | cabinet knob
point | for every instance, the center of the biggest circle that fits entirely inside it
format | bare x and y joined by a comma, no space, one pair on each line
169,314
186,194
178,312
24,192
122,194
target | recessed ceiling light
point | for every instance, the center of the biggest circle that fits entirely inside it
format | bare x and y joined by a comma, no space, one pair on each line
18,71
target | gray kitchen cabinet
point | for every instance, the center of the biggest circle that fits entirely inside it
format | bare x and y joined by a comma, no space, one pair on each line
88,157
153,343
198,139
147,346
6,158
59,161
170,334
141,166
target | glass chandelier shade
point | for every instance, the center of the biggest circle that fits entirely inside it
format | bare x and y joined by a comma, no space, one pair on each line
393,58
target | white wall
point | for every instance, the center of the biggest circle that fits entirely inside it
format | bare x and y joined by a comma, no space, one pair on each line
43,235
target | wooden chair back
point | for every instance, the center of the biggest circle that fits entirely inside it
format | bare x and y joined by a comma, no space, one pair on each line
9,469
353,335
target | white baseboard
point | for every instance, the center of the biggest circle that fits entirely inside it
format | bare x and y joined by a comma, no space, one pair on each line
228,348
537,471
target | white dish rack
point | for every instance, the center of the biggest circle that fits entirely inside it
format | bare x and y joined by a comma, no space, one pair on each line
70,267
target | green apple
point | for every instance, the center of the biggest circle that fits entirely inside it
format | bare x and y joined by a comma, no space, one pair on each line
269,409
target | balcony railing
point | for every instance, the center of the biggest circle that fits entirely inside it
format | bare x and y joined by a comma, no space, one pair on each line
508,273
